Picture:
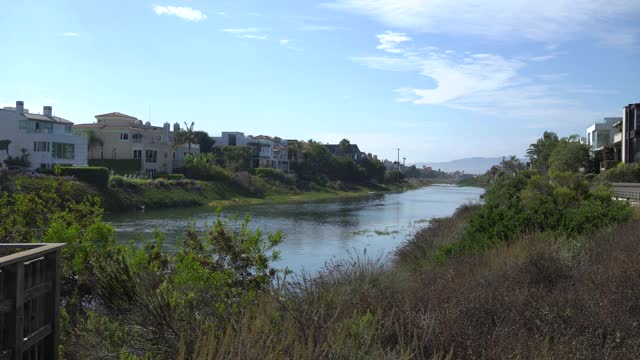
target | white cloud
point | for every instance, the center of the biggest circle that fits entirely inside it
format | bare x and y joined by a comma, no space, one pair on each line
185,13
311,27
249,33
480,82
389,41
244,30
544,20
70,34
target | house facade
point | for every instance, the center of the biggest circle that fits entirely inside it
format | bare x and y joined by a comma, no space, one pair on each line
351,152
48,139
601,133
124,137
265,151
630,134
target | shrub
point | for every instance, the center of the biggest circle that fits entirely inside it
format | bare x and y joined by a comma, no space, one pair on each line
276,175
116,181
97,176
624,172
119,166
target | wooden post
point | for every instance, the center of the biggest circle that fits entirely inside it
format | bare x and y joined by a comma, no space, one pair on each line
53,272
16,321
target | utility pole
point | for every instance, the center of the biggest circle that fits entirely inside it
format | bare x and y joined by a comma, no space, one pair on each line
398,165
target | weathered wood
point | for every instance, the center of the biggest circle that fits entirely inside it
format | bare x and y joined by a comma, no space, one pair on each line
36,337
30,297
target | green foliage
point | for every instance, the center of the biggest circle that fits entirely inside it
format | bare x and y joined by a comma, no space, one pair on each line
18,160
4,145
624,172
540,152
121,166
236,158
275,175
94,175
170,176
568,156
200,166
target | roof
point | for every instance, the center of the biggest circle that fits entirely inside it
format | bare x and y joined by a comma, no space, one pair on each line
107,127
337,149
116,114
54,119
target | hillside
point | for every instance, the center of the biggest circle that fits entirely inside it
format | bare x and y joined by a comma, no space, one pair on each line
473,165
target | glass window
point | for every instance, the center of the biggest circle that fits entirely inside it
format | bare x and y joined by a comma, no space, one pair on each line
151,156
62,151
137,154
40,146
124,136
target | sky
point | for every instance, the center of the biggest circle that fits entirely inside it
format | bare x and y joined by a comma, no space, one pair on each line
439,79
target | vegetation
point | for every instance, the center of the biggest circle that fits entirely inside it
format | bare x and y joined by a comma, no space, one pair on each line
119,166
21,160
94,175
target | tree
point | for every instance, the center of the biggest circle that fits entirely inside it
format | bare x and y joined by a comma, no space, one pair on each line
187,136
568,156
512,165
205,141
236,157
345,145
93,140
4,145
540,152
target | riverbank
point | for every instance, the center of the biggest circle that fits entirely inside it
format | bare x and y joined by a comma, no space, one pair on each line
131,194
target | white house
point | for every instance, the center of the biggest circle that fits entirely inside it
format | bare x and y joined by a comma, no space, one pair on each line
601,133
48,139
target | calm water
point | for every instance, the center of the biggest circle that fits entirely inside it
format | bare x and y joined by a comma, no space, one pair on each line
316,232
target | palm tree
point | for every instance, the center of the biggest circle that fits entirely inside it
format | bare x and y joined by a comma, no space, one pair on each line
188,135
540,151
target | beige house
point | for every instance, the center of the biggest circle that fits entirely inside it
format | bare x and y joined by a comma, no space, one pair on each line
124,137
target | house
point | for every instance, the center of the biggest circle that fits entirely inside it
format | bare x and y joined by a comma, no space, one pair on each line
601,133
126,139
47,139
351,152
266,151
630,133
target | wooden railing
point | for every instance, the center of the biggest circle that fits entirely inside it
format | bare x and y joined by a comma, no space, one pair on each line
29,300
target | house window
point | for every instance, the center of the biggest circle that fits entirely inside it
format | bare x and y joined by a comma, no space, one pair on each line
166,156
137,137
124,136
137,154
67,129
41,146
151,156
62,151
150,172
174,155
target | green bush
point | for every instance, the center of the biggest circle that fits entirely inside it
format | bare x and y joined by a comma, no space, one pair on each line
116,182
122,166
97,176
621,173
45,171
170,176
276,175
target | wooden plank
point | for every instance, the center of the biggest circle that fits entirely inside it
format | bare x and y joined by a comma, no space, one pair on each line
36,337
37,290
54,271
18,339
6,305
30,254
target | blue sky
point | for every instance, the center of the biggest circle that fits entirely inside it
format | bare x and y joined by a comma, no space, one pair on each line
439,79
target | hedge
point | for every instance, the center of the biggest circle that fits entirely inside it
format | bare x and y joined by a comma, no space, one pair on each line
273,174
170,176
122,166
94,175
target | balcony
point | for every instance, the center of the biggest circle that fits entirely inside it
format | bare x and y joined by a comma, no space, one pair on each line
29,299
617,137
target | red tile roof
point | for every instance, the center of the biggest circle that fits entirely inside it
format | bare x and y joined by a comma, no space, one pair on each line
116,114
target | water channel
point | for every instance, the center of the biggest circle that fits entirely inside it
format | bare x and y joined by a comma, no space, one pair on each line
316,232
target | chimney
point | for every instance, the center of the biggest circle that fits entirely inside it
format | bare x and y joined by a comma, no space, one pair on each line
19,107
47,111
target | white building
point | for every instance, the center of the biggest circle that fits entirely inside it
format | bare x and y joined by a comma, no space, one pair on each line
47,139
601,133
265,151
124,137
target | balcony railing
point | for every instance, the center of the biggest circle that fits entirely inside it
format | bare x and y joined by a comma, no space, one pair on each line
617,137
29,299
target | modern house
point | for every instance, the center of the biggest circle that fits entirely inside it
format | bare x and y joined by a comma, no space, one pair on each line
47,139
601,133
126,139
630,134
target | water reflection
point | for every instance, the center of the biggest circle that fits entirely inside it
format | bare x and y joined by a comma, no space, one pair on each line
316,232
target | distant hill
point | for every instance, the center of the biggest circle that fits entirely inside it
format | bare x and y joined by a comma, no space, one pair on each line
474,165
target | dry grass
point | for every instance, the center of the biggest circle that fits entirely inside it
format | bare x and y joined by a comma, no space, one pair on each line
535,298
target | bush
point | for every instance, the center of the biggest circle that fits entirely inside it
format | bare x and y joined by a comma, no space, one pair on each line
45,171
97,176
275,175
170,176
122,166
622,173
116,182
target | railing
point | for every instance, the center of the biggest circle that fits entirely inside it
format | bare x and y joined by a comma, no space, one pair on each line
29,299
626,191
617,137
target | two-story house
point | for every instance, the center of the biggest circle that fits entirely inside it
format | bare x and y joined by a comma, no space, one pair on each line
631,133
124,137
47,139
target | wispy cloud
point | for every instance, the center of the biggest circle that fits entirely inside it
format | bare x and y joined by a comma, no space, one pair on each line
255,33
311,27
185,13
480,82
548,21
70,34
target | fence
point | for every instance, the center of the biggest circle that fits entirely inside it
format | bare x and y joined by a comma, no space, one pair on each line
29,299
627,191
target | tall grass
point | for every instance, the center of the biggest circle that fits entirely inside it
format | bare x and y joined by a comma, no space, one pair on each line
534,297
